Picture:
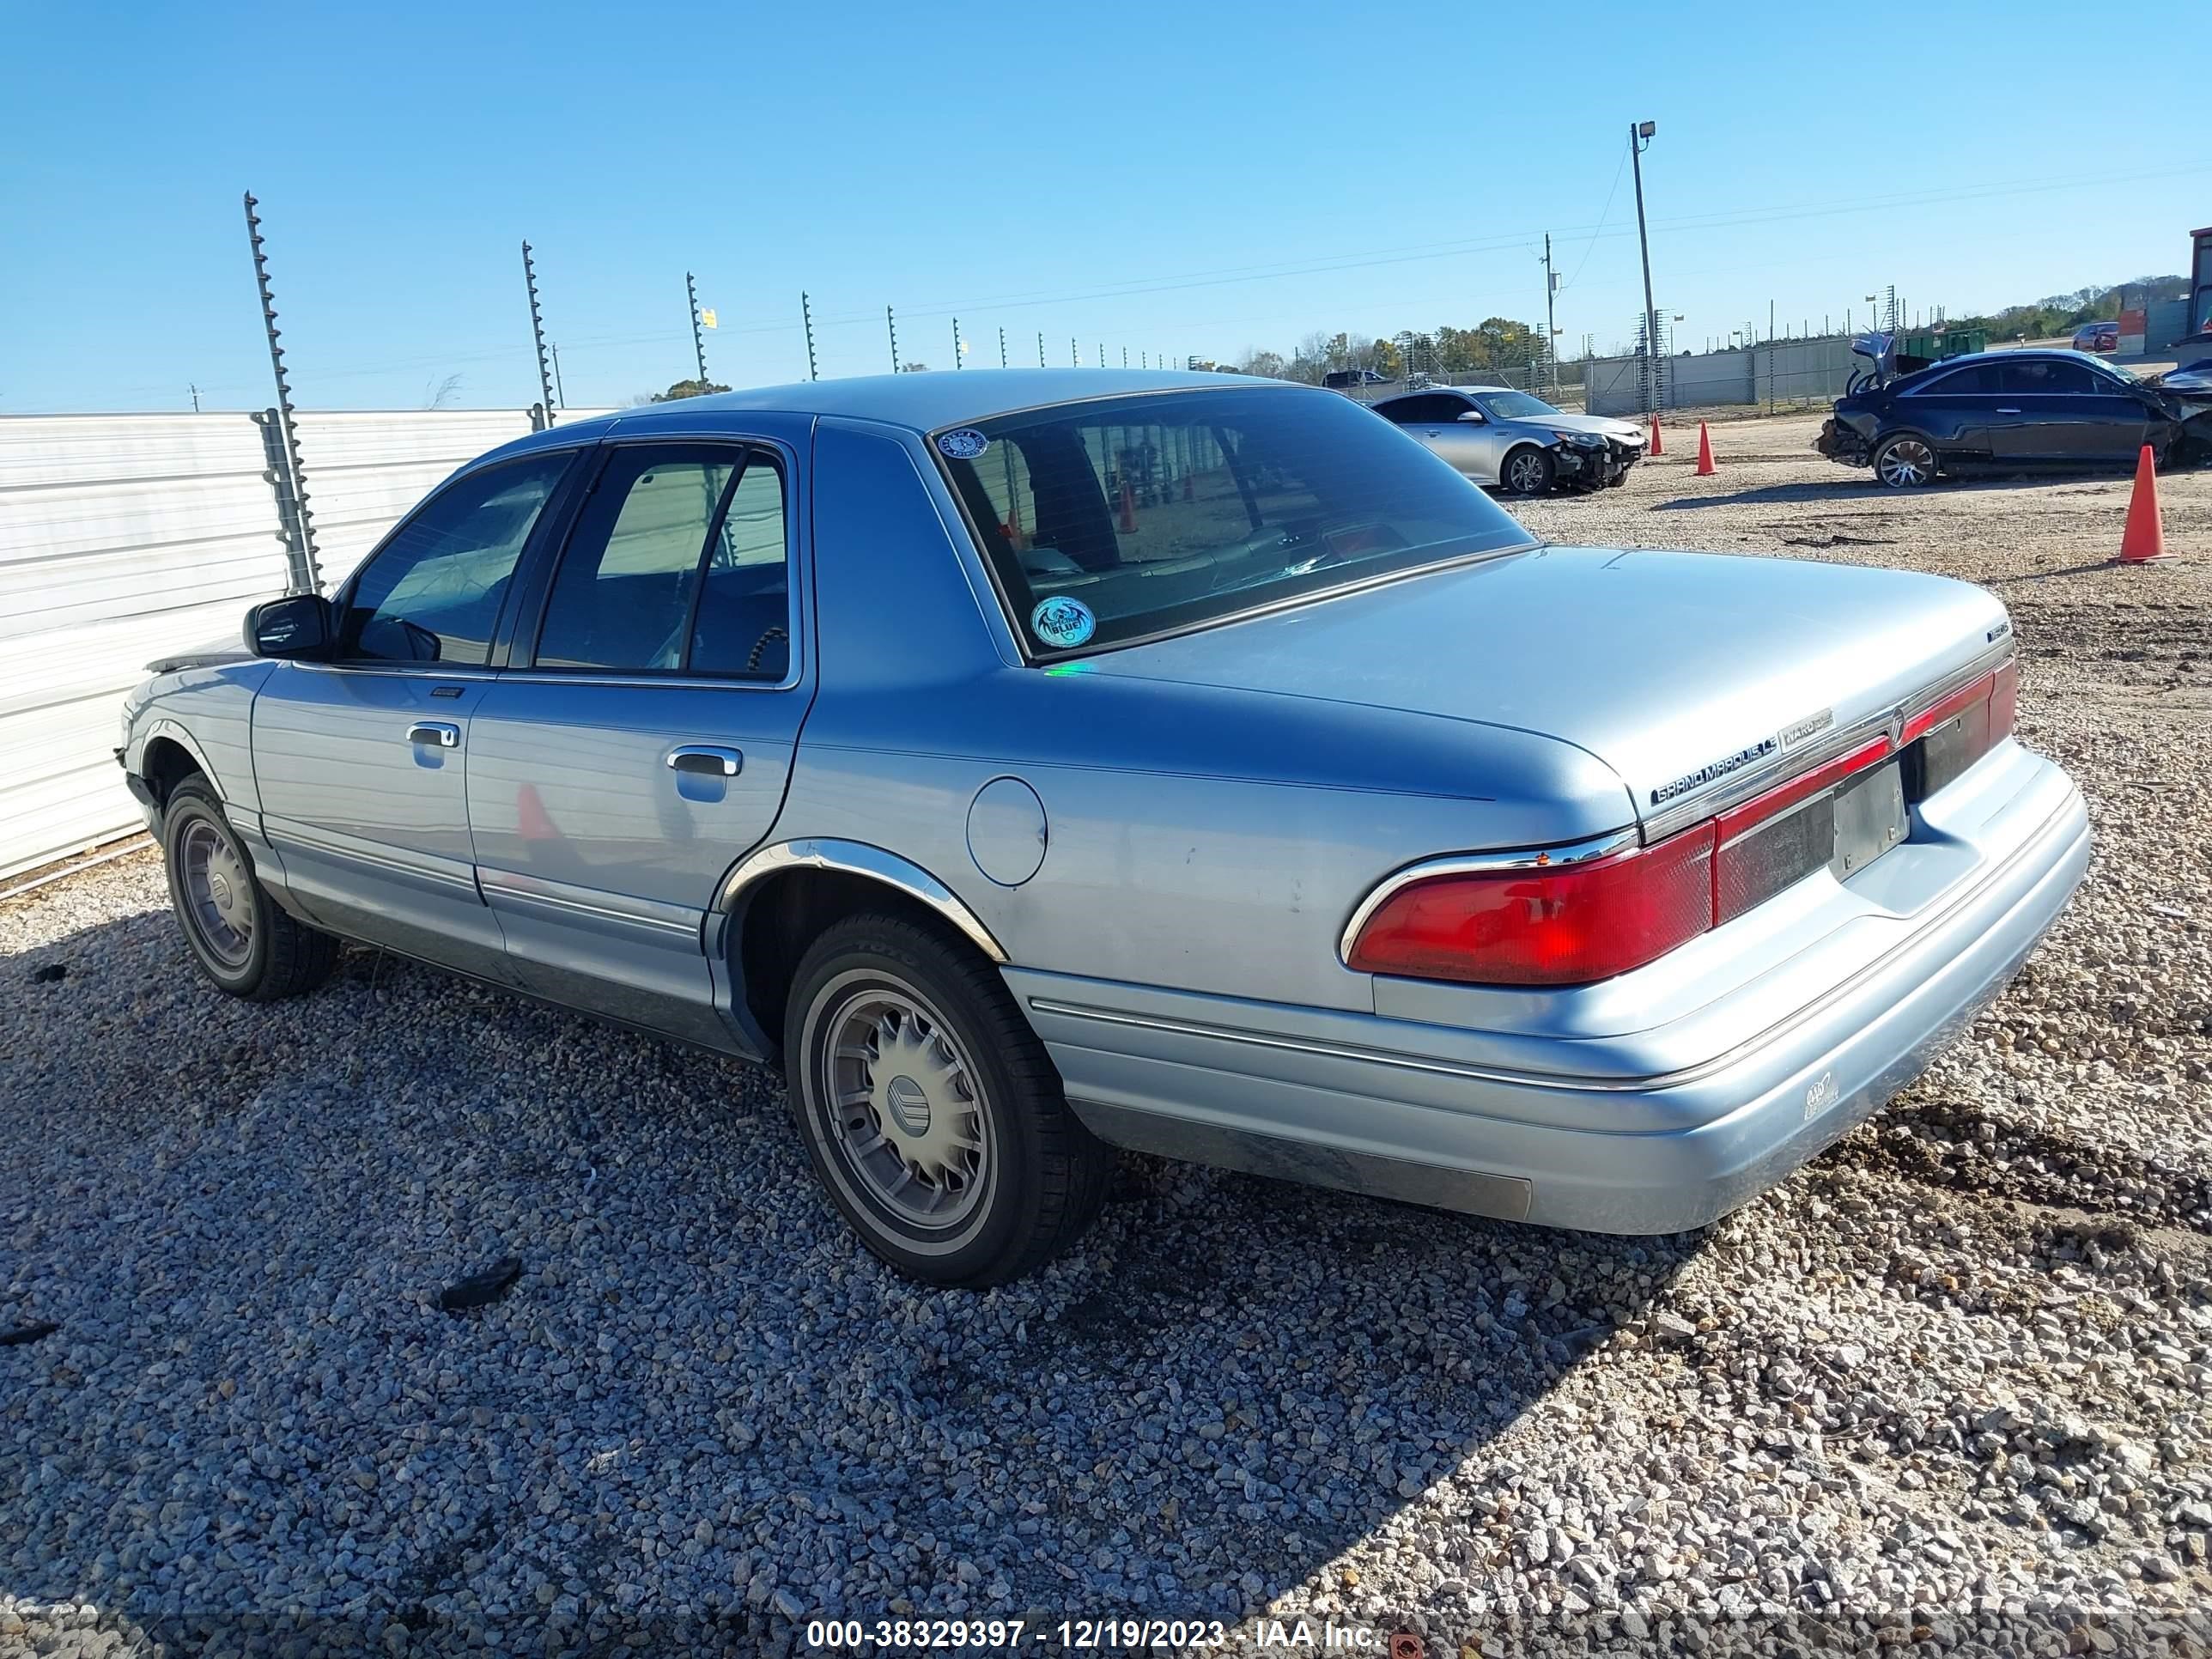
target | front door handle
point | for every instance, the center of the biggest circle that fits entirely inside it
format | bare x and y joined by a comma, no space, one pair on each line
2008,411
441,732
707,758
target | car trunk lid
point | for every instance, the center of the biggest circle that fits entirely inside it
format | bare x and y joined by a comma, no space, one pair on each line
1684,672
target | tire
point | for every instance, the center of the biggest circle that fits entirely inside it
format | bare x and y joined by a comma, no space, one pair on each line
241,938
1906,461
1527,471
962,1166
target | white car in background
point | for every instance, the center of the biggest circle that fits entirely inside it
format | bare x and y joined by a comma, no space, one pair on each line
1509,441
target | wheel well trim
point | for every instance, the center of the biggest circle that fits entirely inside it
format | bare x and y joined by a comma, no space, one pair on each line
857,858
163,726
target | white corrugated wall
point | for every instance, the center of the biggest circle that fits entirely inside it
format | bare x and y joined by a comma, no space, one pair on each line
123,537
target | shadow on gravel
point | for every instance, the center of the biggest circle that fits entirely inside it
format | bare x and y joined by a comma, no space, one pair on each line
703,1416
1855,491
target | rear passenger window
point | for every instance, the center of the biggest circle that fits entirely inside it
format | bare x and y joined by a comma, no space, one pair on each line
1980,379
677,564
2041,375
743,622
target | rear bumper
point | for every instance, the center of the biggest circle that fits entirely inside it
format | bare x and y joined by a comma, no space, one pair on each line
1384,1106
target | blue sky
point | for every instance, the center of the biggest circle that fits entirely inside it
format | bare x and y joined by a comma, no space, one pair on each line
1178,178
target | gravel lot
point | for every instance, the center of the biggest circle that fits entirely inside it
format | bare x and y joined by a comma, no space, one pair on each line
1944,1391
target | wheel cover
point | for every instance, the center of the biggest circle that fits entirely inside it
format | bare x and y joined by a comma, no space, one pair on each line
1524,472
1907,461
218,892
903,1107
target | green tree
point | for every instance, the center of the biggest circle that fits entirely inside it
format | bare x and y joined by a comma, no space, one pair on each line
686,389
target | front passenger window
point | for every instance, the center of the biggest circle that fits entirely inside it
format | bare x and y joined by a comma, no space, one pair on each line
433,593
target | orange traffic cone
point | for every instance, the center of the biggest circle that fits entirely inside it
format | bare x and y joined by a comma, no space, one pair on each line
2144,539
1655,449
1705,467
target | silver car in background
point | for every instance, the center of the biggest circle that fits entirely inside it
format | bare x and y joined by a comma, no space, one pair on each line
1033,762
1509,441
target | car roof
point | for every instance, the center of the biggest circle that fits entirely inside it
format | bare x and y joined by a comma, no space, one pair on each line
2001,355
923,402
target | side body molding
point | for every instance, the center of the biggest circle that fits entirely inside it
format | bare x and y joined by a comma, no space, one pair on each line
859,858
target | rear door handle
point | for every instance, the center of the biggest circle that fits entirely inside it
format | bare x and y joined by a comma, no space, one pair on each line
707,758
441,732
2008,411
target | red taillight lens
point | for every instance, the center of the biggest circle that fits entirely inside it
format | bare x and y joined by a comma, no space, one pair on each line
1576,923
1565,925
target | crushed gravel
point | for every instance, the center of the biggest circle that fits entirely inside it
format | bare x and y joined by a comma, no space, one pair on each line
1945,1391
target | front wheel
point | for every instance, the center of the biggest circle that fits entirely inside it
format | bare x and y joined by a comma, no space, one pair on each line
929,1110
1527,472
1906,462
240,937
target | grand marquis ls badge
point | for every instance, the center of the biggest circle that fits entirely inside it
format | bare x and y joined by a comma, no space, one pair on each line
1719,768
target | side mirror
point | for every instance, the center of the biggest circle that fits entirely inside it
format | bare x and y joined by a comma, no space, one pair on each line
299,627
1473,417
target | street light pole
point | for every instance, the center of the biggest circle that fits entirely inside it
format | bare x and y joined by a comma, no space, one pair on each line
1639,136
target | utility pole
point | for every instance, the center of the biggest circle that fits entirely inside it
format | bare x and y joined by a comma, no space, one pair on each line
1551,323
560,396
892,325
195,391
300,526
806,316
698,336
538,332
1639,136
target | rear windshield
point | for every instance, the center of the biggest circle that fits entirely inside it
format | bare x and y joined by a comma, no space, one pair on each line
1117,519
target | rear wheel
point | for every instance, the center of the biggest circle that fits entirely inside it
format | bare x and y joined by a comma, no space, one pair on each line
1527,472
1906,462
929,1109
240,937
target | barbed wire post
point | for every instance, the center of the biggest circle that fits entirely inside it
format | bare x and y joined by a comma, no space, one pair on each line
538,334
807,316
890,324
955,343
282,442
1002,347
698,335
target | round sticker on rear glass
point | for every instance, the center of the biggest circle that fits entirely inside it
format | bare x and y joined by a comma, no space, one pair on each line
1061,622
963,443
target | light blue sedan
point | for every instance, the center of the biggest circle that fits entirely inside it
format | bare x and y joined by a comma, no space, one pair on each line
1037,763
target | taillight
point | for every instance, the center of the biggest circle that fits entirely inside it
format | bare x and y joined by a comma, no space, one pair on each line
1559,925
1544,923
1952,733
